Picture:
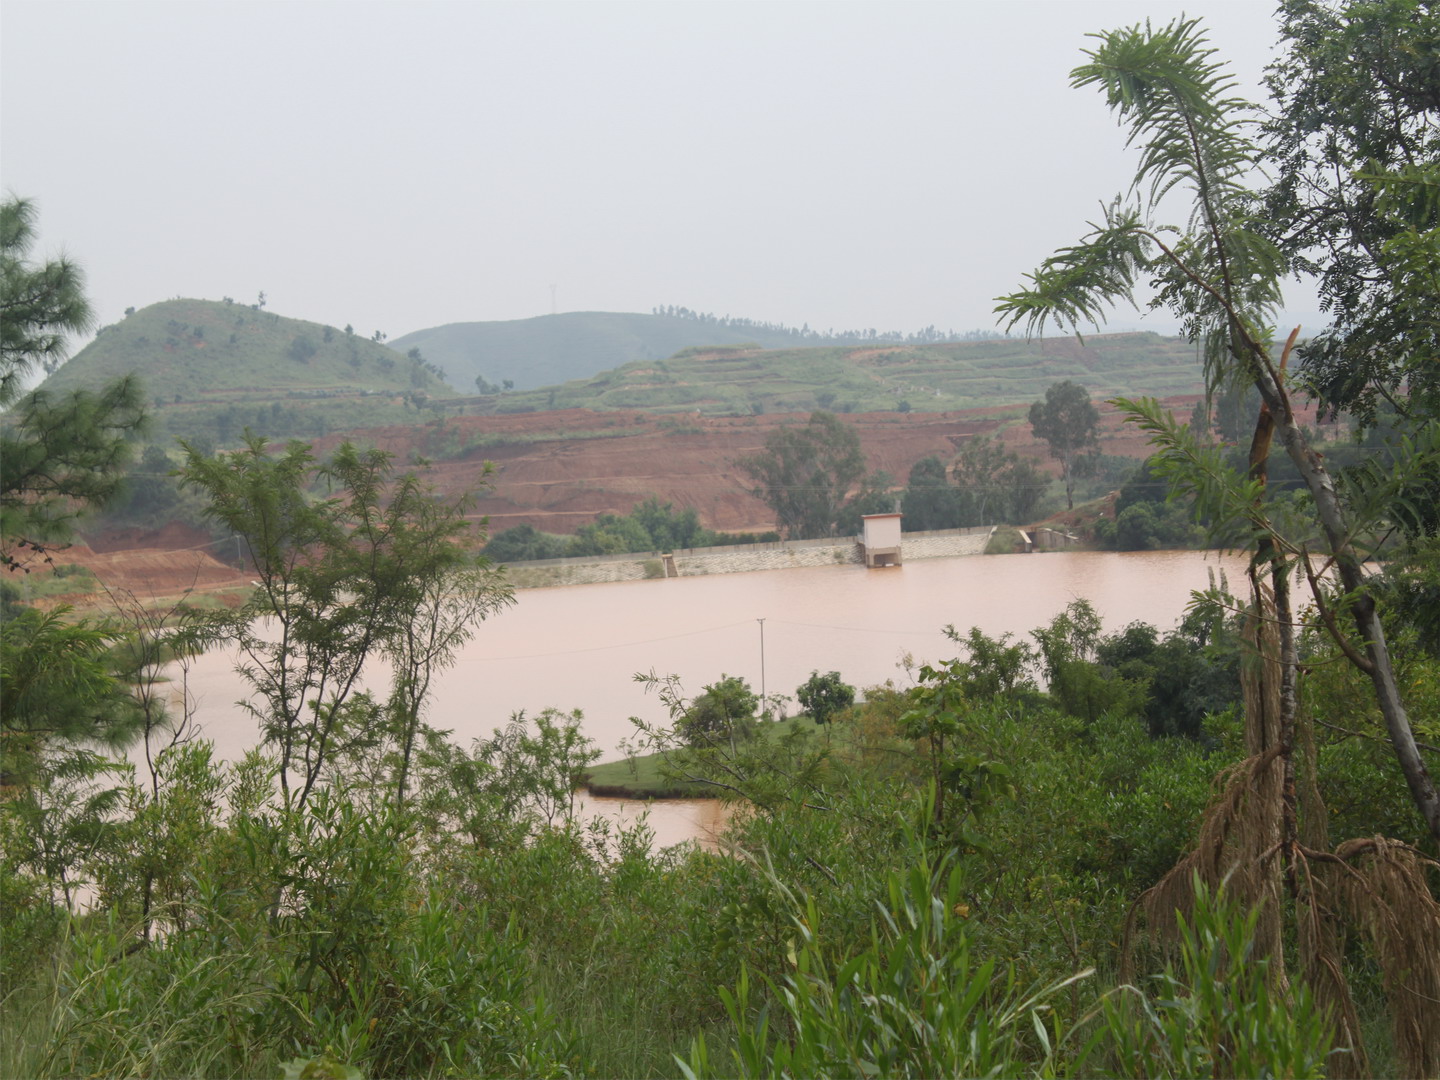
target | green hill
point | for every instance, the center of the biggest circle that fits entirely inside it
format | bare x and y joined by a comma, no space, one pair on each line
925,378
213,368
552,349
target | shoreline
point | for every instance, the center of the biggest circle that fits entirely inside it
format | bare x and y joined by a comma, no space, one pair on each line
740,558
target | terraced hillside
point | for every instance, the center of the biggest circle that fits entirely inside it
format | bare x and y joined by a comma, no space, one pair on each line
549,349
921,378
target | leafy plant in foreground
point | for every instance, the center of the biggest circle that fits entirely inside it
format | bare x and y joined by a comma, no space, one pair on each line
913,1002
1219,1012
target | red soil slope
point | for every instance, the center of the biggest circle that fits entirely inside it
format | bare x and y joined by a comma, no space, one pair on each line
557,483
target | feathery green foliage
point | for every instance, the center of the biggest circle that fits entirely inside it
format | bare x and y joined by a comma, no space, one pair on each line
381,566
60,687
40,306
1217,273
60,453
1220,273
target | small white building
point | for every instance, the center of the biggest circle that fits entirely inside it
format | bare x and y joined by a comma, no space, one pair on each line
881,540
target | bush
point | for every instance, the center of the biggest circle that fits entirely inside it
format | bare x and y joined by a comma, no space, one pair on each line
1217,1014
525,543
822,696
724,712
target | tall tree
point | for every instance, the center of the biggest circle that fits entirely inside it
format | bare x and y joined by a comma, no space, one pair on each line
994,484
40,306
1222,276
371,569
1069,423
822,696
1354,148
62,453
724,712
929,501
805,474
669,529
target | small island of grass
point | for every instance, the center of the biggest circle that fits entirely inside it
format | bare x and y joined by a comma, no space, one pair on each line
647,776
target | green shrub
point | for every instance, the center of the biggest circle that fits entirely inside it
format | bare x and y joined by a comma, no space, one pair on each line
913,1002
1218,1013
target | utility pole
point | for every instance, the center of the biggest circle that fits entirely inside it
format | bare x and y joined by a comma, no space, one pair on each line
764,703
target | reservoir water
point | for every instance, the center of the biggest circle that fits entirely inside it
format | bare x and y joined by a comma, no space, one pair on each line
579,647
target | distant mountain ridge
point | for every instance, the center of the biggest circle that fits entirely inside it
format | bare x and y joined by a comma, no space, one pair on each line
551,349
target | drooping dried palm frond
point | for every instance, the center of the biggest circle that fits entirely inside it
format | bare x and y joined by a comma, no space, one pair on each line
1377,886
1319,937
1382,889
1320,953
1239,841
1235,848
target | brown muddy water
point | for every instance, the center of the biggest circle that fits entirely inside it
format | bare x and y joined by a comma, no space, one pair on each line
581,646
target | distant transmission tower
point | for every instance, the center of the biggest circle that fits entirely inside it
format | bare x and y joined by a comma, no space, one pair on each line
552,298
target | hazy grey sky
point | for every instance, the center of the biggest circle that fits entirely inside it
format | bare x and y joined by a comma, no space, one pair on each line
403,165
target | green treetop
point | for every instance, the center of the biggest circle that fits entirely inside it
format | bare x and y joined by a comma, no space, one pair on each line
805,474
60,453
1068,422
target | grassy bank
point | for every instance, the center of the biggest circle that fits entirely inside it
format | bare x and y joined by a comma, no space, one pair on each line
651,776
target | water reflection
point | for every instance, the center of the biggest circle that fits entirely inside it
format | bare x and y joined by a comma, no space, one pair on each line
671,820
